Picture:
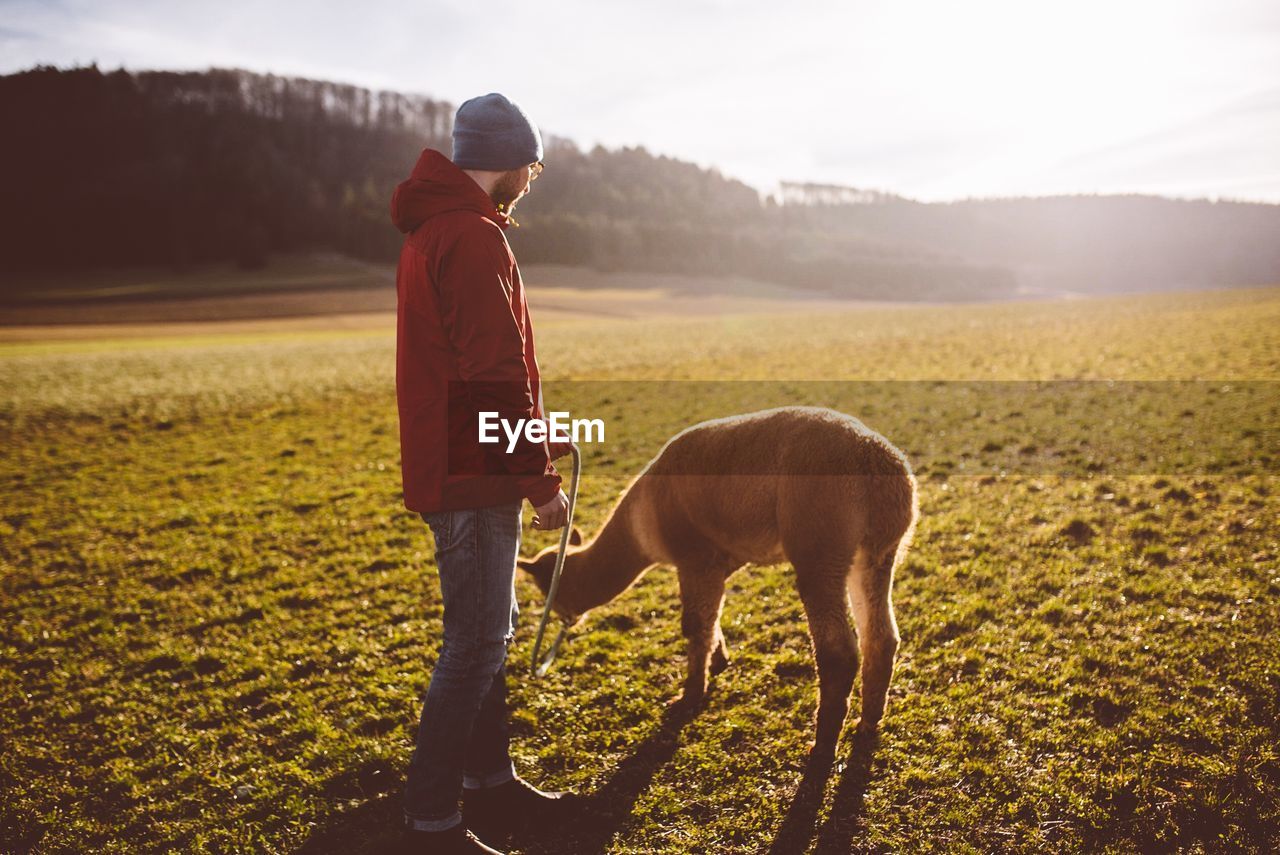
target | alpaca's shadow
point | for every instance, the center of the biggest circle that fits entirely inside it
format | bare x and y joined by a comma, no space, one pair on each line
847,807
601,815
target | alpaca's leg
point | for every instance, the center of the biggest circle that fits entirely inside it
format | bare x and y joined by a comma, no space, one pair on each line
870,595
822,590
720,655
702,596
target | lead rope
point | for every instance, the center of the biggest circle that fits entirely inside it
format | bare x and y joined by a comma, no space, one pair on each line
540,668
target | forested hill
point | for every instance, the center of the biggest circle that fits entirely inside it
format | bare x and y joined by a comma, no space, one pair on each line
182,169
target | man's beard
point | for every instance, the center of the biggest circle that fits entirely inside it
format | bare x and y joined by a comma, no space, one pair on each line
506,190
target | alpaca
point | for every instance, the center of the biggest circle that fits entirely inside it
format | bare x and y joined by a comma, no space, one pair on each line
807,485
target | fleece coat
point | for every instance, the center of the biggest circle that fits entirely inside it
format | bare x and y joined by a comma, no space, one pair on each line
464,345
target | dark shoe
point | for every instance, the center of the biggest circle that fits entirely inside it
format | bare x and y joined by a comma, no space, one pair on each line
497,812
452,841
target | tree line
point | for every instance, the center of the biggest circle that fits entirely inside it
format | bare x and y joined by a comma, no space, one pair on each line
181,169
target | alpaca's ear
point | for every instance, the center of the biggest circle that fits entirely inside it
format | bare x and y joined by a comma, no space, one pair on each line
575,536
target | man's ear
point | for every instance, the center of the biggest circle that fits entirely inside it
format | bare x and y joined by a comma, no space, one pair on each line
575,536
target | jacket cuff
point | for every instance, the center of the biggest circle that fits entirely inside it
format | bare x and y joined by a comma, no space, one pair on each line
543,490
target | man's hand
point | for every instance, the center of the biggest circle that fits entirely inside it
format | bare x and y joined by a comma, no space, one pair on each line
554,514
559,449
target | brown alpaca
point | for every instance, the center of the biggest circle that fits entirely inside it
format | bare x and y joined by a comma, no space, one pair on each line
807,485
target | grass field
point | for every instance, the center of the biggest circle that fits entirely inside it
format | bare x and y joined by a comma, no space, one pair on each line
217,620
324,291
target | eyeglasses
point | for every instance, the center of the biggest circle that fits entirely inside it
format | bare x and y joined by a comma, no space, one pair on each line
535,170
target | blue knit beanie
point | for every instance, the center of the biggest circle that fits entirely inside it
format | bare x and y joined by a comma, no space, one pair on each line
491,132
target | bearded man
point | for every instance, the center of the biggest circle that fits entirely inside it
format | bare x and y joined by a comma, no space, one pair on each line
464,346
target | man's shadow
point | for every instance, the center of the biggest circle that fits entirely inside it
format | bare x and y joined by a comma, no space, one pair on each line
374,827
847,807
604,812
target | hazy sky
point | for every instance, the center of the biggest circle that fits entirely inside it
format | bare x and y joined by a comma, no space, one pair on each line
937,100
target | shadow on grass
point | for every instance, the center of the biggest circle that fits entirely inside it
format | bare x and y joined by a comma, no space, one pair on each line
606,811
845,819
373,827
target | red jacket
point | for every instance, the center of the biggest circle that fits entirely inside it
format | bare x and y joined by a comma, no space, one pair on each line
464,344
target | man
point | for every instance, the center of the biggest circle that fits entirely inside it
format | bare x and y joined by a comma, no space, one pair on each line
465,346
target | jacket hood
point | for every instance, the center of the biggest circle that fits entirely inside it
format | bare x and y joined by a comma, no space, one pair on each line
435,186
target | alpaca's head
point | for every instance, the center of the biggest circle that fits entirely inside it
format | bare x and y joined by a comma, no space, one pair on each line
542,565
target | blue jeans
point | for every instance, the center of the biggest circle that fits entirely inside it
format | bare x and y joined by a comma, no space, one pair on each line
463,734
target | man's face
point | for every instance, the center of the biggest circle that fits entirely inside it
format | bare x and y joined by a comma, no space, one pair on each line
511,186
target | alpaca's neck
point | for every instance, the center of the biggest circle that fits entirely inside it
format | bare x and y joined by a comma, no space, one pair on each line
604,568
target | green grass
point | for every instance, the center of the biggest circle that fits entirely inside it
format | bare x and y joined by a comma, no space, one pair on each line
216,620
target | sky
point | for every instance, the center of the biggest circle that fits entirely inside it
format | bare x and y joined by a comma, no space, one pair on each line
933,99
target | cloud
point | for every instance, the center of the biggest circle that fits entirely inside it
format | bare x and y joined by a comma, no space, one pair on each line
931,98
1228,151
